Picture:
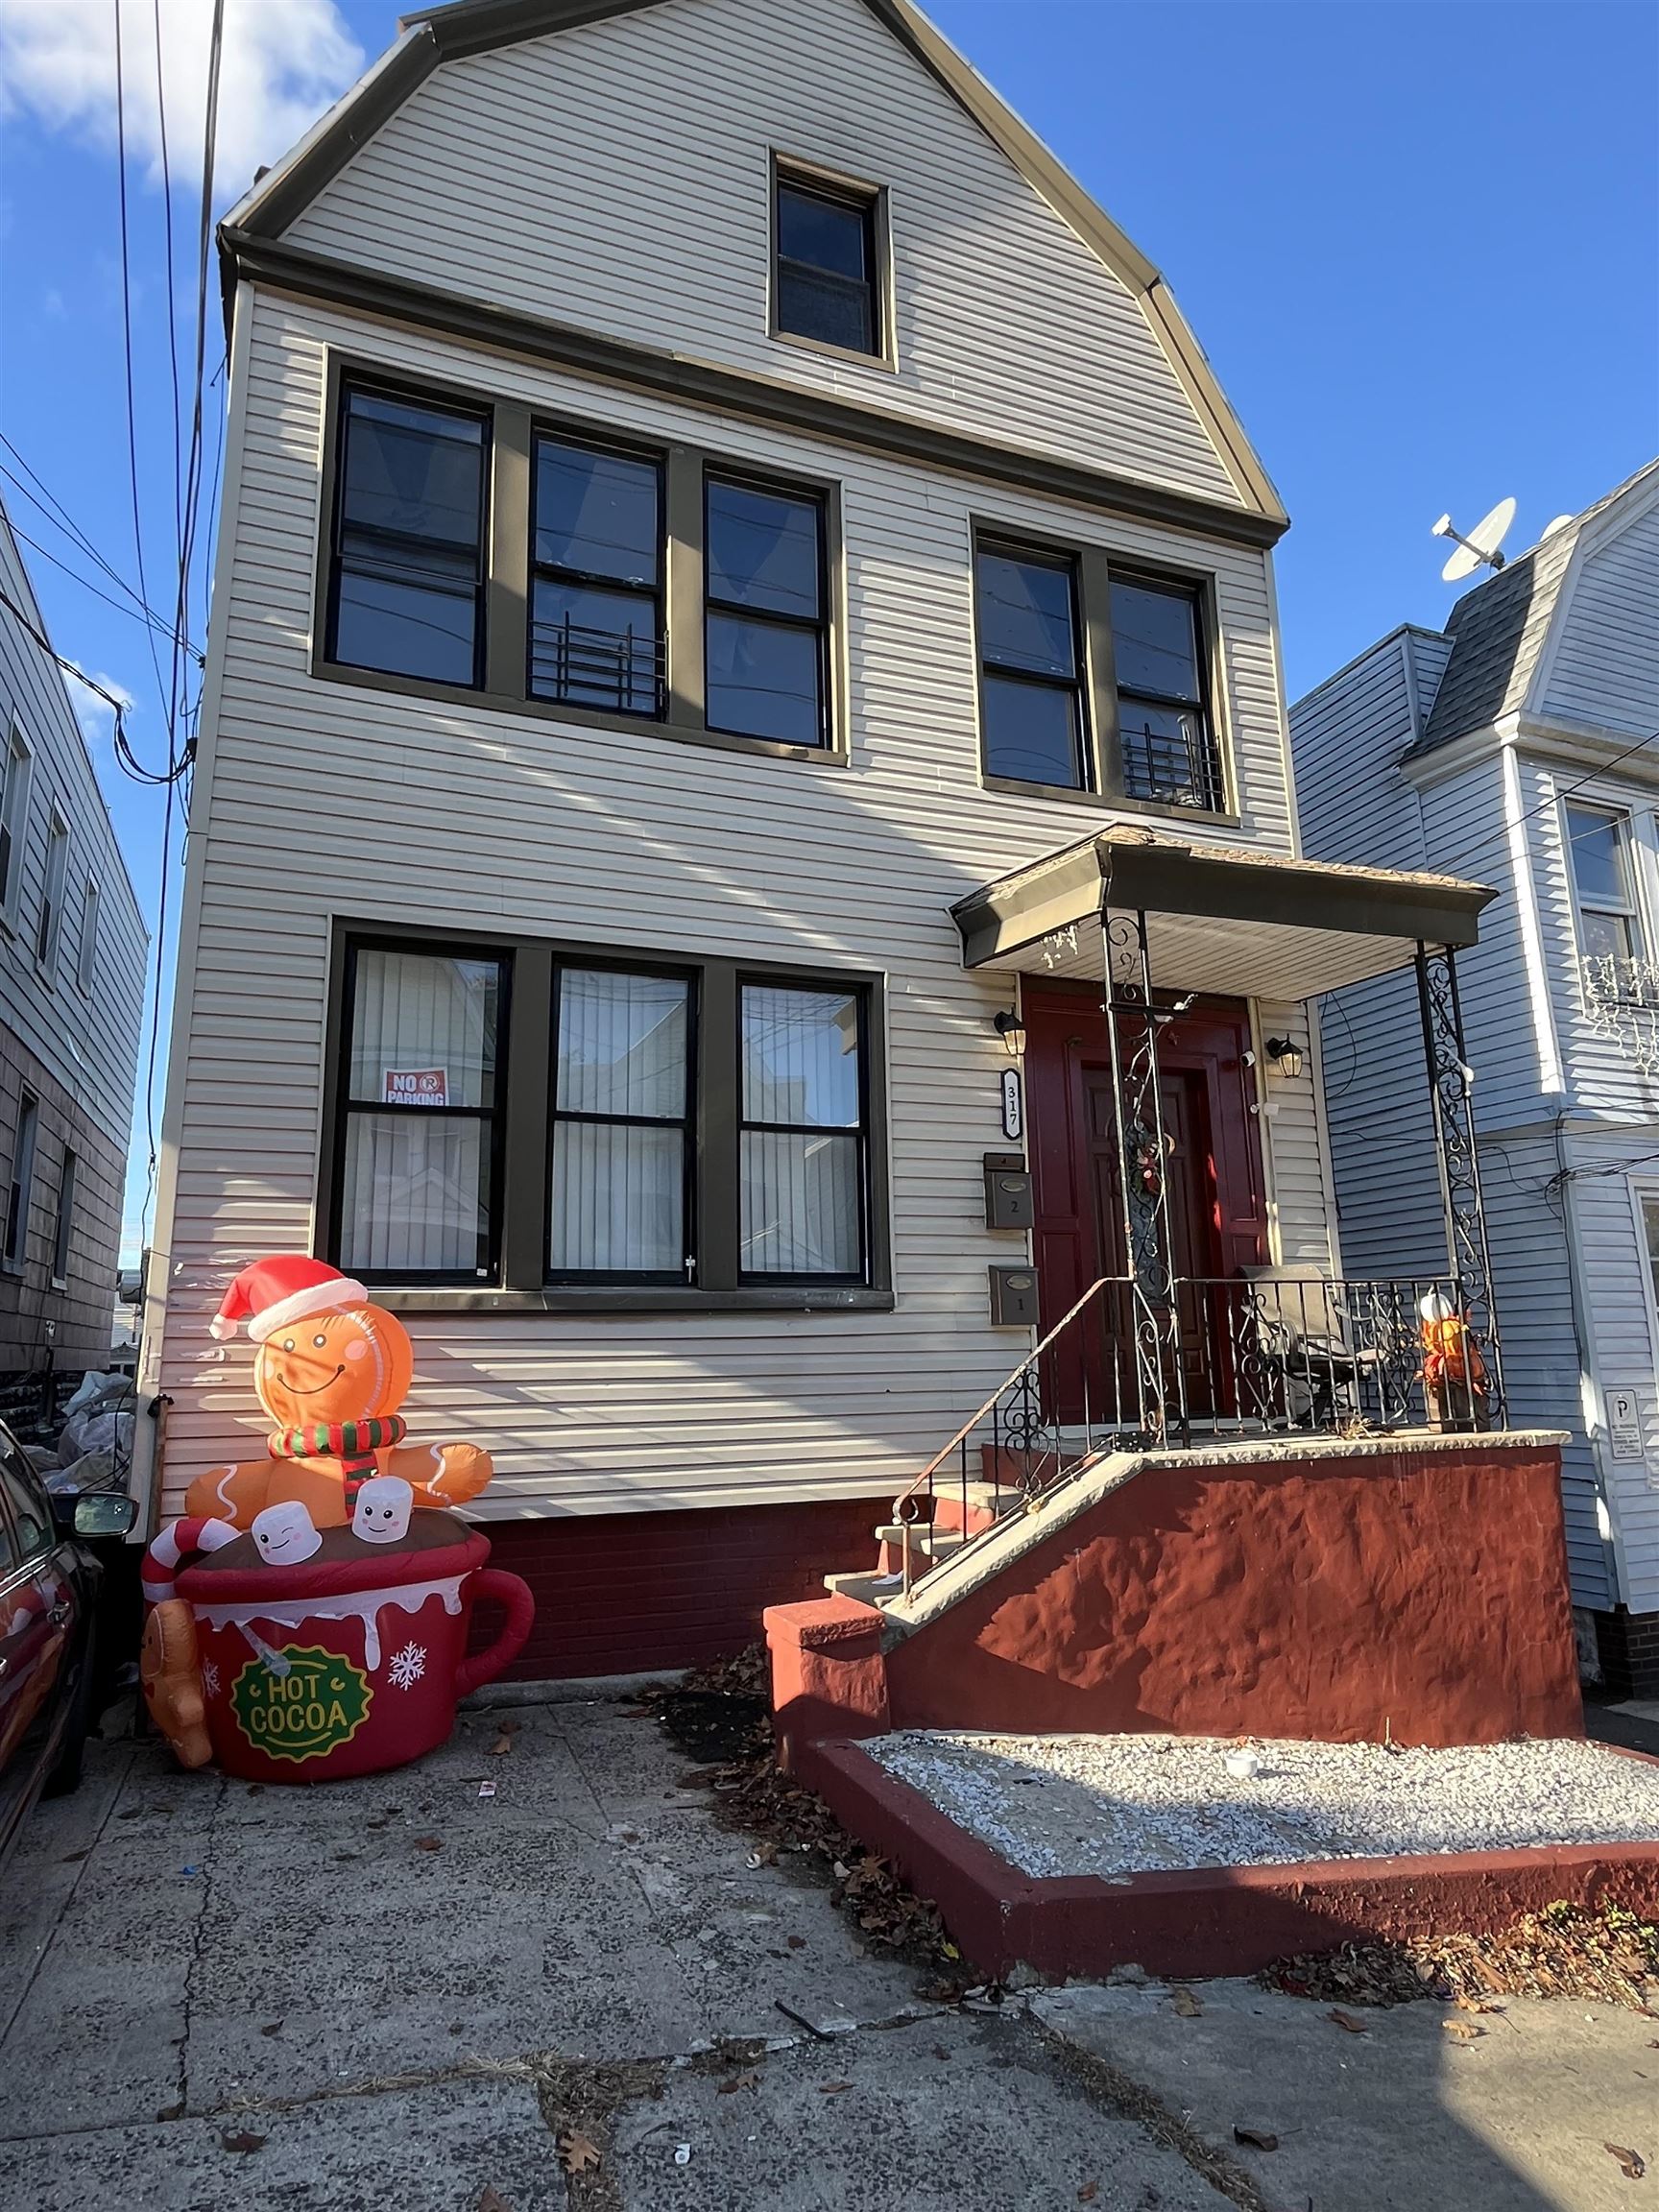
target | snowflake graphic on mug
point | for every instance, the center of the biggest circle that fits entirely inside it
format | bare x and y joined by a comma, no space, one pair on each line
210,1679
408,1665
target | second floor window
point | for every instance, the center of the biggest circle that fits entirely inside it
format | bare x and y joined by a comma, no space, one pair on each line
596,591
1030,668
766,631
1165,729
407,589
13,819
14,1246
1604,882
825,283
63,1227
49,928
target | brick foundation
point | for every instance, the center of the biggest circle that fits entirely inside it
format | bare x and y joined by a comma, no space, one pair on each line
1628,1647
625,1592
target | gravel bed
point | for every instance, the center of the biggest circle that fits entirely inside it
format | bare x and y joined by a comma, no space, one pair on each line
1120,1805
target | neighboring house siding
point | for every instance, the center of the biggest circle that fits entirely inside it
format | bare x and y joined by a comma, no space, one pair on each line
323,799
74,1050
1603,668
614,176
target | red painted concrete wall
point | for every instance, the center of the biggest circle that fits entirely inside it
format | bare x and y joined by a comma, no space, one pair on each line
1418,1594
626,1593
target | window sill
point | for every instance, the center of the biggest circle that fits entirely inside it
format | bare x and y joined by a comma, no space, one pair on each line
474,696
884,362
1109,803
637,1298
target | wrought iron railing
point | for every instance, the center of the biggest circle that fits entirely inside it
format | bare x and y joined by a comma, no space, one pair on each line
1179,767
1262,1355
624,670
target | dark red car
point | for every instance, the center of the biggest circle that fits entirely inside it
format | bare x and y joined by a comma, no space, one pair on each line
49,1584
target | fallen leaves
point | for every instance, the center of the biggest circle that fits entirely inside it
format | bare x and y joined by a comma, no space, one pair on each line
1089,2192
1256,2138
1608,1954
1187,2004
1631,2163
833,2088
1346,2021
428,1842
577,2155
502,1744
1461,2030
491,2200
271,2028
736,2081
242,2142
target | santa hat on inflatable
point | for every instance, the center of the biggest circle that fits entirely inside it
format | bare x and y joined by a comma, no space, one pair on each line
276,1292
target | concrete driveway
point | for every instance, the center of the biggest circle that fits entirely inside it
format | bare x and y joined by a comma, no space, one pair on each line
397,1994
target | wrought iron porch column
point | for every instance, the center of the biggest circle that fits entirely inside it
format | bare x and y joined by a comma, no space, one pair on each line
1132,1025
1468,1258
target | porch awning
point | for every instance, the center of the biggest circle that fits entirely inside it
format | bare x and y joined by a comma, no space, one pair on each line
1220,917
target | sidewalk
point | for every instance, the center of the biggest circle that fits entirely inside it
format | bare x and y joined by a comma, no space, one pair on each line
398,1994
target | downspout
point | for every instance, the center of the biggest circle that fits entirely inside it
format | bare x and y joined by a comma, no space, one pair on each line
1589,1397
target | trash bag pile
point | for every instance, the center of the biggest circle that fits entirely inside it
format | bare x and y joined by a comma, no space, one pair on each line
94,1449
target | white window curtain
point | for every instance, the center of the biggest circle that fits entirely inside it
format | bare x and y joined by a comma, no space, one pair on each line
801,1166
415,1189
617,1203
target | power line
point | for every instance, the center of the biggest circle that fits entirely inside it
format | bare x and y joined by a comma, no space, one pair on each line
138,613
127,341
53,508
1501,836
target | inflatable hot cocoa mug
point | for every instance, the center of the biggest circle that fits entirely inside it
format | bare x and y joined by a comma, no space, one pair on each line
310,1612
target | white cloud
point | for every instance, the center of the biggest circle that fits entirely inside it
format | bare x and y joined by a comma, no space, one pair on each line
95,715
283,63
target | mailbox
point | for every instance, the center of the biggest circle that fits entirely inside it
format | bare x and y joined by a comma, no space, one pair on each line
1008,1202
1012,1297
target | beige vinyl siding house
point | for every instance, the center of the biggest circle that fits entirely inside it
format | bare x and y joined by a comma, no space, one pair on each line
566,230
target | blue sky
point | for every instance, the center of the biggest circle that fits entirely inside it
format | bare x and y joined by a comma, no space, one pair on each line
1419,242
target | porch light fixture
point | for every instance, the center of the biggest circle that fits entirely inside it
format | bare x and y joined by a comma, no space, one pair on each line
1286,1056
1012,1031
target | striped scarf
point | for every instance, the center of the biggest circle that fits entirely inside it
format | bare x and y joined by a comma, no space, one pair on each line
354,1443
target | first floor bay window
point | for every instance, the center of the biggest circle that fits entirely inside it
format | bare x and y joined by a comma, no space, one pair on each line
415,1136
532,1124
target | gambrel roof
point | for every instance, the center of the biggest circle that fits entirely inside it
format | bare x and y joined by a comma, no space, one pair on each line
1499,629
253,234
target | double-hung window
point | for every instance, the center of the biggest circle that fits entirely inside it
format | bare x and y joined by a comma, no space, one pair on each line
619,1202
86,959
14,1246
49,926
825,275
675,1131
1604,881
596,592
802,1162
407,591
767,629
1031,688
63,1226
13,819
418,1171
1164,728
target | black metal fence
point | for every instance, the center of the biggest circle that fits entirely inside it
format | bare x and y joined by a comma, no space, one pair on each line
1267,1353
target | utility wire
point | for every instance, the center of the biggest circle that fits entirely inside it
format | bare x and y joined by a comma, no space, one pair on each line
1562,791
53,508
126,344
133,613
52,653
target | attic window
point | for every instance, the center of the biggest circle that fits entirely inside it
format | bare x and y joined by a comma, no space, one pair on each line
827,263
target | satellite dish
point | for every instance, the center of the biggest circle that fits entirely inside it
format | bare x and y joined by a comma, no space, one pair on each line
1560,523
1480,547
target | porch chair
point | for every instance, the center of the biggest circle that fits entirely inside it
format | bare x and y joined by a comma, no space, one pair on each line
1317,1360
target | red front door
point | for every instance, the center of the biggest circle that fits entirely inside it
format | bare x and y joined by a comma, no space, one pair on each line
1217,1222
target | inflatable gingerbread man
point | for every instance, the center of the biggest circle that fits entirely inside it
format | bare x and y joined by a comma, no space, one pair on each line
331,1370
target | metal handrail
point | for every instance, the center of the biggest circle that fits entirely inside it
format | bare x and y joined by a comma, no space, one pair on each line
1249,1354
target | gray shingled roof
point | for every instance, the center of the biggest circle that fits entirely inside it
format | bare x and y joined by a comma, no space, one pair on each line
1498,632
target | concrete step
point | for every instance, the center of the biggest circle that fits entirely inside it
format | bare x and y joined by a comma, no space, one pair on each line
868,1589
925,1543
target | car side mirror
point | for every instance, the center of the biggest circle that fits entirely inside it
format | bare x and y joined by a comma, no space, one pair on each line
104,1513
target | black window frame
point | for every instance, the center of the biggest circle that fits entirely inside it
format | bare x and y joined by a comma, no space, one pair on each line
770,980
822,627
522,1164
351,383
653,458
20,1184
63,1220
1196,597
1044,556
687,1124
869,202
343,1106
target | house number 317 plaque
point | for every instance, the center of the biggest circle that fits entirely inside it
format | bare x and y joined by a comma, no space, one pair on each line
1013,1105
